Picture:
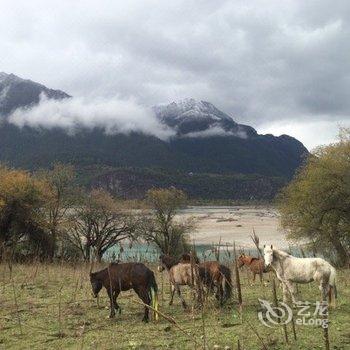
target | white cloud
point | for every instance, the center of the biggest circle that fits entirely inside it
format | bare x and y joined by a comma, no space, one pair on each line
216,131
261,61
112,115
312,133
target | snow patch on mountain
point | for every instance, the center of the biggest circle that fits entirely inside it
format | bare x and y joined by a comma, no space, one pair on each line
189,108
192,118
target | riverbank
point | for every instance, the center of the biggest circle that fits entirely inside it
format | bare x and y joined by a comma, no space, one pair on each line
230,224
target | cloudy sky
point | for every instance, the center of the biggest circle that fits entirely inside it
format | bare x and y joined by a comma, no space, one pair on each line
280,66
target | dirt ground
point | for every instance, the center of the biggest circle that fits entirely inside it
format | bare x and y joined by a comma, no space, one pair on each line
236,223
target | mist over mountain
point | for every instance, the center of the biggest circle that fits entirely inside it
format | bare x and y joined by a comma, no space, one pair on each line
42,125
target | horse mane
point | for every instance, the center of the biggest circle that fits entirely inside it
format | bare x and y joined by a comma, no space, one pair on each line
98,274
280,254
168,261
186,258
249,257
254,258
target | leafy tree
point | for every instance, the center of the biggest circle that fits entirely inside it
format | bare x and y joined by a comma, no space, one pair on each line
98,224
61,196
160,227
21,215
315,206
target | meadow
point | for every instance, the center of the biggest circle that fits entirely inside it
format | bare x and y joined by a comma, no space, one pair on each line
50,306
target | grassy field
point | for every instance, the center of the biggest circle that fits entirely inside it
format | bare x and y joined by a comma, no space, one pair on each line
51,307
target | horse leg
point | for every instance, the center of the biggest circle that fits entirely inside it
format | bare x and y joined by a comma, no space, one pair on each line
254,275
222,292
184,305
116,305
260,277
330,295
324,288
285,292
292,291
111,300
324,285
172,294
145,297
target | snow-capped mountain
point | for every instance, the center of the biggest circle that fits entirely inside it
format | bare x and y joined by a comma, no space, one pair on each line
227,147
16,92
191,117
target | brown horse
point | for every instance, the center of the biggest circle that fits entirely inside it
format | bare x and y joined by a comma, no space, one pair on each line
119,277
216,276
256,265
212,274
181,273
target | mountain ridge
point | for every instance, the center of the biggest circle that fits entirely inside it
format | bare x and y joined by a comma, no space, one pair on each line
207,141
16,92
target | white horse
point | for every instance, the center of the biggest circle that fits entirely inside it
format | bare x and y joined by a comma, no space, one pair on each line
290,269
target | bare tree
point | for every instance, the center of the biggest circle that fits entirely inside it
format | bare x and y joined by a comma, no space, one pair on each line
159,225
98,224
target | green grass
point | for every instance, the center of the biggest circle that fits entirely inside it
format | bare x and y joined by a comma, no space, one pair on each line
55,310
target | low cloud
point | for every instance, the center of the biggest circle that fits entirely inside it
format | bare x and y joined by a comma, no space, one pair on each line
112,115
216,131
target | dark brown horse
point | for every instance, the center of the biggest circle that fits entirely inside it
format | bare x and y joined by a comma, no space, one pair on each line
255,265
119,277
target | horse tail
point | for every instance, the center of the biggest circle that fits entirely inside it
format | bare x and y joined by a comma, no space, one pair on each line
153,288
332,282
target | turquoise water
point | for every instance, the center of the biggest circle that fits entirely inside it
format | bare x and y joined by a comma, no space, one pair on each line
150,253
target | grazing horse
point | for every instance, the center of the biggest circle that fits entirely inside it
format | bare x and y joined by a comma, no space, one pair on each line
256,265
121,277
290,269
216,276
212,274
181,273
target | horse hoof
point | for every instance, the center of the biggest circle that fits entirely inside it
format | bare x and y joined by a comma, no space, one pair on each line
145,320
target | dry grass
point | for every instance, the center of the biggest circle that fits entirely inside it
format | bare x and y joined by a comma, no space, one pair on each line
51,307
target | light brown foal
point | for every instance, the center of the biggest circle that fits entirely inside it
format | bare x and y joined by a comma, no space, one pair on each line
255,265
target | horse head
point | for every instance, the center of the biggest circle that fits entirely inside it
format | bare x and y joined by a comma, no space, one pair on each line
166,262
241,260
96,284
268,256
